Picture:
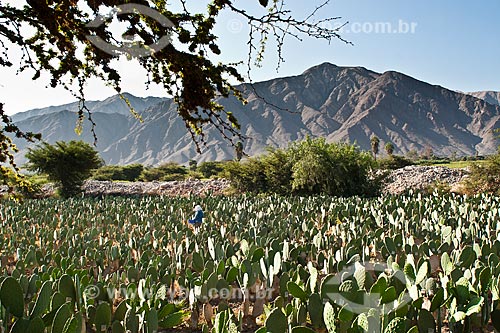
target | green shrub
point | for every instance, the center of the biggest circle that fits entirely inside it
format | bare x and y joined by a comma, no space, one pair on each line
394,162
165,172
108,172
210,169
115,172
132,172
308,167
248,176
335,169
484,177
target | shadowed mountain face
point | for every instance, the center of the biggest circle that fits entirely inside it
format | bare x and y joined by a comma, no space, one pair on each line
348,104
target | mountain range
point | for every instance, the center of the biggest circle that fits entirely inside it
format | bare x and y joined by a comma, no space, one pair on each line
342,104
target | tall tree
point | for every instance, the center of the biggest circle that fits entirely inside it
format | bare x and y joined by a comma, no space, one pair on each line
375,143
239,150
389,148
71,42
67,164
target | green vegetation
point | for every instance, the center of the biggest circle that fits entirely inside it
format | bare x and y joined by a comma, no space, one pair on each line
211,169
389,148
484,177
308,167
165,172
57,40
68,164
117,264
393,162
375,145
115,172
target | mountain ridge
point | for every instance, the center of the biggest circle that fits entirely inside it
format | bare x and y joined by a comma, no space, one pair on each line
342,104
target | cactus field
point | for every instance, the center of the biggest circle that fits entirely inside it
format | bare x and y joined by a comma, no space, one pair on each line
258,263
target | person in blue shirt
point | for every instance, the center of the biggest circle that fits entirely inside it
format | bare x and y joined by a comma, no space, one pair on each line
197,218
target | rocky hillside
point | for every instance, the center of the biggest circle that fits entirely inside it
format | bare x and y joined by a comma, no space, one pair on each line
339,103
492,97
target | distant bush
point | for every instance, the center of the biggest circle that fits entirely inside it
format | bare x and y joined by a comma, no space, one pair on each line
484,177
433,161
165,172
115,172
308,167
248,176
394,162
210,169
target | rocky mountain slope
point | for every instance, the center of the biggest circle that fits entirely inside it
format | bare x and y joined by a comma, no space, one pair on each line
492,97
339,103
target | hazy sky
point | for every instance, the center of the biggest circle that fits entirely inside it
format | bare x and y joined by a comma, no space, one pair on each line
453,43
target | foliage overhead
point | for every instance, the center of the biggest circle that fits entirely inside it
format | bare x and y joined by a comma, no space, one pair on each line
55,37
68,164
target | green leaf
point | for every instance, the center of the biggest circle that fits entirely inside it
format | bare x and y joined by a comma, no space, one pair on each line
426,322
474,306
329,318
397,325
302,329
152,321
20,326
173,320
62,316
409,271
296,291
380,286
264,3
11,296
276,322
495,319
75,324
117,327
360,275
422,273
446,264
198,262
437,300
345,314
389,295
467,257
67,288
43,300
102,317
315,307
258,254
120,311
485,278
36,325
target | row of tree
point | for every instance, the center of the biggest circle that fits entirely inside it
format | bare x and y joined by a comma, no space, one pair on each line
312,166
375,145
